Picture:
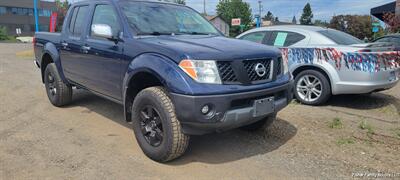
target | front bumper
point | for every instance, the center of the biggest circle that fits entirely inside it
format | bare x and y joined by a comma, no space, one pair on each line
228,111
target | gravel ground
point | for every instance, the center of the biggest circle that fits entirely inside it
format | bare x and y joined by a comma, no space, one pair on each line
90,140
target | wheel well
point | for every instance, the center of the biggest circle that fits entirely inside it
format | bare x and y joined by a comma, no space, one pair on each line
47,59
303,68
136,84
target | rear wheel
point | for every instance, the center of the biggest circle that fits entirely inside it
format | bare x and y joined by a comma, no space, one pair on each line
58,92
312,88
260,125
156,127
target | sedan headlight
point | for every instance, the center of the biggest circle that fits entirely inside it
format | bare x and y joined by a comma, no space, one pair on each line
202,71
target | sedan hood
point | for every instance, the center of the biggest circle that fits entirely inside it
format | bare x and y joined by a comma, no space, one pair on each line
204,47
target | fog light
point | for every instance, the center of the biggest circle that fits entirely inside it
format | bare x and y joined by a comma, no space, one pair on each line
205,109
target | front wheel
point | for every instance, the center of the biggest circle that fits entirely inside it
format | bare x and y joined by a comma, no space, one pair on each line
156,127
312,88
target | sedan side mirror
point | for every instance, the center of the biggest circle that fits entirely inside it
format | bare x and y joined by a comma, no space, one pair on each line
102,30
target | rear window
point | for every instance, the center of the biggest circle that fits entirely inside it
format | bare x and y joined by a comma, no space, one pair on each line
257,37
78,20
340,38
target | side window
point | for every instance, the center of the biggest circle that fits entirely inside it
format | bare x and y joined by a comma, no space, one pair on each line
284,39
257,37
72,20
80,20
105,14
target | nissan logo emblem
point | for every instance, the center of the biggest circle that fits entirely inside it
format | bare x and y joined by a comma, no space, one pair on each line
260,69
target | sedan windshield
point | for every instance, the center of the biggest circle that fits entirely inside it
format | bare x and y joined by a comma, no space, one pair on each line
149,18
340,38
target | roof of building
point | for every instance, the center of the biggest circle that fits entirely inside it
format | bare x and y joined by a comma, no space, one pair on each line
381,10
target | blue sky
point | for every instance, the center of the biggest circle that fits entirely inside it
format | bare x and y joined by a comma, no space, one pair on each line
286,9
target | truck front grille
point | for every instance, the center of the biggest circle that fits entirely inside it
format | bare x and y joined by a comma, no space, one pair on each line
244,72
226,72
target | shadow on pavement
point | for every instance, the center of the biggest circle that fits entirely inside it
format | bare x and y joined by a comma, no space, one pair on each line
212,148
236,144
365,102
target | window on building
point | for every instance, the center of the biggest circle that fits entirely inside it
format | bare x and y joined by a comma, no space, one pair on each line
3,10
30,12
14,10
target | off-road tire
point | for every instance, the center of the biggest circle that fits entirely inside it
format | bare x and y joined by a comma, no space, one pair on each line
326,88
260,125
174,142
62,95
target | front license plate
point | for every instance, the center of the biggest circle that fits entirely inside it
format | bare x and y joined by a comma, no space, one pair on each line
264,107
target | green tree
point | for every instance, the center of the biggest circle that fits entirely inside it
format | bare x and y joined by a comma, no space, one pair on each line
306,17
392,22
269,16
321,23
356,25
294,20
180,2
229,9
3,33
62,9
276,19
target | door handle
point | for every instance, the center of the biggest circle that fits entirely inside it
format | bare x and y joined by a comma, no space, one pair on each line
64,44
85,49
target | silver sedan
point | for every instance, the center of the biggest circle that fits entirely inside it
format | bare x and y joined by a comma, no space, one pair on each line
328,62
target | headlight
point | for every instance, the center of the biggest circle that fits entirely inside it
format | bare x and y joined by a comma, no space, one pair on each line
201,70
285,65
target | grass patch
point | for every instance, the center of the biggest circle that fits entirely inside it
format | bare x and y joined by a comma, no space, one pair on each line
365,126
396,132
344,141
27,53
336,124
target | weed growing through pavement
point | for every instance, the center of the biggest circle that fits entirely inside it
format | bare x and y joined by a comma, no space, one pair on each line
336,123
365,126
344,141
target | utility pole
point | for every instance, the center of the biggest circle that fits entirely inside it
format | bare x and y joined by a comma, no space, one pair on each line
36,15
258,20
204,5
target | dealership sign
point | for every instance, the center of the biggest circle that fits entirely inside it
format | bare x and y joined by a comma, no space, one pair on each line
236,22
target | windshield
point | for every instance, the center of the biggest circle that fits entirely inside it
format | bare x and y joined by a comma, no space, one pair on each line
340,38
160,18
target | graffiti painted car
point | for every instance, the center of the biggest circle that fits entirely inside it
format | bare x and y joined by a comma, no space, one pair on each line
328,62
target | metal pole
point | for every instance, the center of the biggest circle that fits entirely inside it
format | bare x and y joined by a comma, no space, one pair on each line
204,5
36,15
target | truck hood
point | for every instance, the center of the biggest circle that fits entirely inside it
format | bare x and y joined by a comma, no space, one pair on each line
204,47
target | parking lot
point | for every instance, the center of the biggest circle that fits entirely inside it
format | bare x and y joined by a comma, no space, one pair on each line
90,140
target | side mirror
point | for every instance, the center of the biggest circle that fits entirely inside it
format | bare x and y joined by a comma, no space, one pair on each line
102,30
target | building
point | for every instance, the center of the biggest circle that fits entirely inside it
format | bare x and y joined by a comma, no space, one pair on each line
393,7
219,24
19,14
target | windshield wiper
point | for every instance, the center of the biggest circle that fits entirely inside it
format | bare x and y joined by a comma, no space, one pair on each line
197,33
155,33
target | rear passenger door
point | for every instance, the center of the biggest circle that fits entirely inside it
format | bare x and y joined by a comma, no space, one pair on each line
71,43
103,57
285,39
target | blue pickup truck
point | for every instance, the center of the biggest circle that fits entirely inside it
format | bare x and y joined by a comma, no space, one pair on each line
174,73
